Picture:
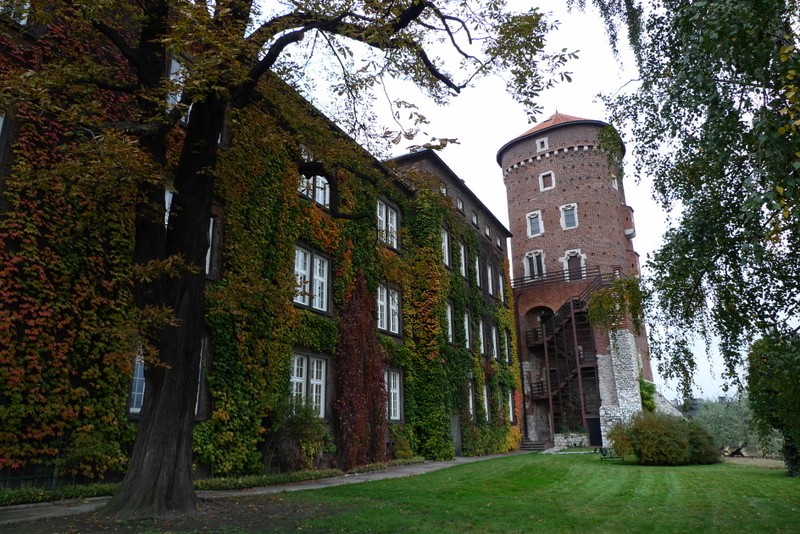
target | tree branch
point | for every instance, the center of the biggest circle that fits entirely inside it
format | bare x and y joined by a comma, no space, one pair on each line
113,35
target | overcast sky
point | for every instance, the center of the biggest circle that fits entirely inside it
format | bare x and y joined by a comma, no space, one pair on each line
486,117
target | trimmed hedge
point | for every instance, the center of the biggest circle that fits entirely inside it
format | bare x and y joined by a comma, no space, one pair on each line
10,497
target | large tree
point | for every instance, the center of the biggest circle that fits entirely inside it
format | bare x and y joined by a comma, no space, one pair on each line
715,119
223,49
715,115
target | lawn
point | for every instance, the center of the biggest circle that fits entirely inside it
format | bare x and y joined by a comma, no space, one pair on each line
565,493
539,493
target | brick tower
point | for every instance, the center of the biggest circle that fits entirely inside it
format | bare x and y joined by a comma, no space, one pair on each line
572,234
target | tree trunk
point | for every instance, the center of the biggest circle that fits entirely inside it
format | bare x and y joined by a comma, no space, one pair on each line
159,482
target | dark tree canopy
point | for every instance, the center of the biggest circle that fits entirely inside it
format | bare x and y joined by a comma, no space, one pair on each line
714,118
173,69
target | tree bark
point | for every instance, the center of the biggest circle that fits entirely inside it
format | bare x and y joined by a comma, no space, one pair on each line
159,482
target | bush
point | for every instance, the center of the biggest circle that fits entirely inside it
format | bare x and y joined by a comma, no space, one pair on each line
657,439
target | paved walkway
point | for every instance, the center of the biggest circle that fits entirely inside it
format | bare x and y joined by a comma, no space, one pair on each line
31,512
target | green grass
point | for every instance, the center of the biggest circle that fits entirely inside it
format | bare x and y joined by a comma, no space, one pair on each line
564,493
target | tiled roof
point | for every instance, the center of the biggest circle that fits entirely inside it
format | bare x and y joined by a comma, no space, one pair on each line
554,120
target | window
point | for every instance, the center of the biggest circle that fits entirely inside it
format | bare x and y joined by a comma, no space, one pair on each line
138,383
443,189
315,188
387,224
137,387
308,381
16,9
446,247
388,309
462,249
486,400
547,180
467,338
487,231
393,396
489,279
501,287
177,77
499,242
312,274
508,347
471,400
450,337
614,182
478,271
474,218
495,343
511,405
534,264
481,340
569,216
460,204
535,226
542,144
574,264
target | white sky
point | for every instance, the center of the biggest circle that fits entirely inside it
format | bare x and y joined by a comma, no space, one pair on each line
484,118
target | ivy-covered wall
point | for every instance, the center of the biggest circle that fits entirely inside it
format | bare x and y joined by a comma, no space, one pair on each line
68,324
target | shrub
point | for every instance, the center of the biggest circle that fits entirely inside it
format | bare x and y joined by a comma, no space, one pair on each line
657,439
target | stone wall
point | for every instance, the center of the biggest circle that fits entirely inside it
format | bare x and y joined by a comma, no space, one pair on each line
570,440
619,373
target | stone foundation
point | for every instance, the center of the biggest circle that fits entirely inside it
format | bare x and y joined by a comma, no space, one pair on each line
570,440
618,375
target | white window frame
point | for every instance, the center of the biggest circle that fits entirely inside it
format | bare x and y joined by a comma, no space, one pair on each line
489,278
563,210
508,347
501,286
542,186
535,215
614,182
471,399
475,218
478,271
394,395
542,144
487,231
467,337
481,337
16,10
527,265
309,381
137,386
511,405
460,204
495,343
450,323
486,399
388,218
388,309
446,246
313,279
462,250
316,188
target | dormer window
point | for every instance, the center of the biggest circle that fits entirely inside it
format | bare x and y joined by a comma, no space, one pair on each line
316,188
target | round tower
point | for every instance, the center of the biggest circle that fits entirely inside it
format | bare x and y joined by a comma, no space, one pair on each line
572,232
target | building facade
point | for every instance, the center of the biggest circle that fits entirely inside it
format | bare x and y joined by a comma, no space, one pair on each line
572,232
371,298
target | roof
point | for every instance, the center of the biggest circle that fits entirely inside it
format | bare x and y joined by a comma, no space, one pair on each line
554,121
459,183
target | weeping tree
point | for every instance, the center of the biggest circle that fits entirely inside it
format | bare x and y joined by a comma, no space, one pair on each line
714,119
176,67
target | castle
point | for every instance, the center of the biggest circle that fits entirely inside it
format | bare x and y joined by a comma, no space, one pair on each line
377,294
571,235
